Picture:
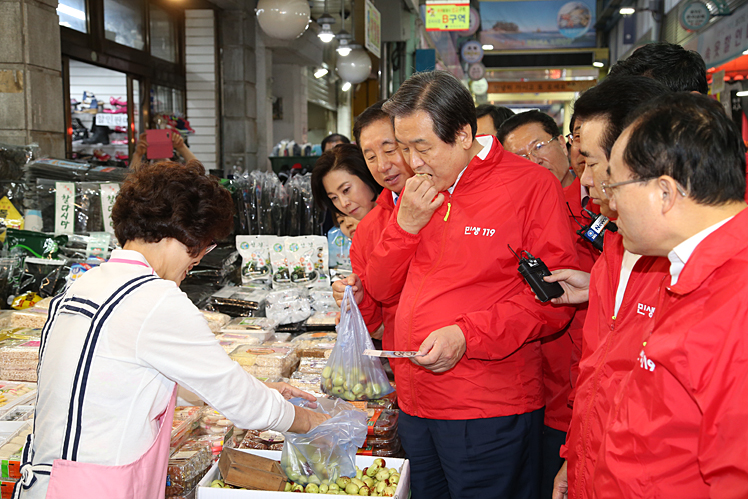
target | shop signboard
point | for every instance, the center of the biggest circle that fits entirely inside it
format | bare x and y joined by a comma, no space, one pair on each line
718,82
534,87
447,16
726,39
64,207
108,195
111,120
538,24
476,71
694,16
373,31
471,52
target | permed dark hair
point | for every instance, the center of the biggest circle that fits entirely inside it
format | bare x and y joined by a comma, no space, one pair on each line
690,138
678,69
499,114
371,114
522,119
168,199
334,137
440,95
613,100
346,157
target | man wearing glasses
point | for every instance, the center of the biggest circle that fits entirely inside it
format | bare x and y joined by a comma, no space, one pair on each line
677,180
622,286
534,136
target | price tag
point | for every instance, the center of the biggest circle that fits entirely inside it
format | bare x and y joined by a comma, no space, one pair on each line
111,120
64,207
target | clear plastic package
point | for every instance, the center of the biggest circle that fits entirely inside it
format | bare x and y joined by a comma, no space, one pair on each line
287,306
19,413
260,328
238,301
262,361
19,360
382,422
263,440
311,365
315,344
186,466
216,320
24,318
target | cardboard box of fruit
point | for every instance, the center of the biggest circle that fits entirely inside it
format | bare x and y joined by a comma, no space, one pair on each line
205,491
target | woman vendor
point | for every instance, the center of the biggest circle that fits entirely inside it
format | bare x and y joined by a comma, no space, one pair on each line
122,337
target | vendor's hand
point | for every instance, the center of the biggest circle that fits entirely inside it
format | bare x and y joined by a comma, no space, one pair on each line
306,420
561,484
290,392
442,349
141,148
418,202
576,285
338,289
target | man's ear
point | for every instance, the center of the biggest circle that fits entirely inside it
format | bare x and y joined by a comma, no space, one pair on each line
669,191
562,142
465,137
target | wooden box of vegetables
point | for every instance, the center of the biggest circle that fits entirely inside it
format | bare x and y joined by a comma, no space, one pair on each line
399,490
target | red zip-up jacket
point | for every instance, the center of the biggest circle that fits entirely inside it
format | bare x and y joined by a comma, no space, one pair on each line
367,235
458,270
678,429
562,351
610,346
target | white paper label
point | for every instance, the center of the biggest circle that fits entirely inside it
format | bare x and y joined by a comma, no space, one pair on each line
185,454
64,207
112,120
108,194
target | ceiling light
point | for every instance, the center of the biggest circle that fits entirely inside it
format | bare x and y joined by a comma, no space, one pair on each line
346,86
487,47
626,11
326,34
598,64
344,40
743,93
320,72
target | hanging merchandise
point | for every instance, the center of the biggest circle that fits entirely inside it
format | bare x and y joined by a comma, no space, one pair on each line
255,253
340,248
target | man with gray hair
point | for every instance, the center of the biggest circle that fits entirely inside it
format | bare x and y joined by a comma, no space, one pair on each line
471,400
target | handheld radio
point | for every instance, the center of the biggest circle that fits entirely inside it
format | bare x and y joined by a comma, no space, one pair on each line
533,270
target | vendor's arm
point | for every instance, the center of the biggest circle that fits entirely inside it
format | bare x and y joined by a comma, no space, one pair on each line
501,330
387,267
177,342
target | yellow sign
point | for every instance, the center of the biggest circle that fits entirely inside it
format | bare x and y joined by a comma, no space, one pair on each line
451,16
9,215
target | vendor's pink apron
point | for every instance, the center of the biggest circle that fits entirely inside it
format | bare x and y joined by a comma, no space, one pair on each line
144,478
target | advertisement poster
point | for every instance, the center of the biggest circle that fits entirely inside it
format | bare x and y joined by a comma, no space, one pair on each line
373,21
538,24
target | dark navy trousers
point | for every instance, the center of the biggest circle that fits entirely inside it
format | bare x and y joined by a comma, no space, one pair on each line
474,458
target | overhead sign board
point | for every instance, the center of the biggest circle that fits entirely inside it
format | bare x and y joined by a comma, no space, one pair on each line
447,16
535,87
373,31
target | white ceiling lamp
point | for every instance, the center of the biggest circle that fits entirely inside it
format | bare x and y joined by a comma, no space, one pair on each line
283,19
320,72
344,38
355,67
598,64
326,21
626,11
487,47
346,86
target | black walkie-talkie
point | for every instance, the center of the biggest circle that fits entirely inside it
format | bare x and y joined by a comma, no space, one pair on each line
533,270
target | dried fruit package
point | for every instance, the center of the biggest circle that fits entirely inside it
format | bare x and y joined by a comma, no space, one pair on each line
329,450
349,374
255,253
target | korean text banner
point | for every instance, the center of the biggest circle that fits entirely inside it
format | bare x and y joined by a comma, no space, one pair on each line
538,24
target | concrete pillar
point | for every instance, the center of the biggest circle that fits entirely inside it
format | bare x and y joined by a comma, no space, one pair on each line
31,97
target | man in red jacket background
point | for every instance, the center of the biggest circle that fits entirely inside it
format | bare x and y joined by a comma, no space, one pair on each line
535,136
677,180
471,400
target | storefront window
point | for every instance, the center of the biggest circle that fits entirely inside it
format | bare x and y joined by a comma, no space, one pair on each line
123,22
72,14
163,35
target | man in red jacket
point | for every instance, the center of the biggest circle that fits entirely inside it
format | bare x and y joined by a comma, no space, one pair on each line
471,400
535,136
622,291
374,133
677,180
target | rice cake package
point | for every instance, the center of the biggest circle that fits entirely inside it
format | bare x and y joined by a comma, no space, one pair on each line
265,362
255,253
216,320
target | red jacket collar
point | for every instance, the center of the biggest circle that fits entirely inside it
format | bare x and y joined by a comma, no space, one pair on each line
478,168
385,200
713,252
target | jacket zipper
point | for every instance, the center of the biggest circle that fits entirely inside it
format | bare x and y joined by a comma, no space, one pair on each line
415,301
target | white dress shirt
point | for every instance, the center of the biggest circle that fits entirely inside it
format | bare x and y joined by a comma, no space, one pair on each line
681,253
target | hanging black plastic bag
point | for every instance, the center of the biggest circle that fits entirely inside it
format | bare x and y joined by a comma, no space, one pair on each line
349,374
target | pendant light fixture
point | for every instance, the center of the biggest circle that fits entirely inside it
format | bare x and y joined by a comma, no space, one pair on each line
326,34
344,38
